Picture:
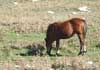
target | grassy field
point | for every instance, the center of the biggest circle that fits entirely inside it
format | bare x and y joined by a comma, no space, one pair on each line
23,25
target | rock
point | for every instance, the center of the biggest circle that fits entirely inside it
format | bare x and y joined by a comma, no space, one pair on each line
50,12
84,9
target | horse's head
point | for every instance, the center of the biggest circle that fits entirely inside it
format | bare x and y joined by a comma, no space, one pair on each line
46,41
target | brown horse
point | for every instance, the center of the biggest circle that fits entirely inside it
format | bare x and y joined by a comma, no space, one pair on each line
64,30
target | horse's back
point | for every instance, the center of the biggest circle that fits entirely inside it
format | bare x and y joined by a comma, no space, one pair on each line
77,21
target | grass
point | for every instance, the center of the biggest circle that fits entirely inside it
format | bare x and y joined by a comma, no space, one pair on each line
31,36
7,52
10,53
32,18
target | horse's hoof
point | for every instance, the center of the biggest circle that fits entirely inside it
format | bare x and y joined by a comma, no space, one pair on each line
48,53
80,53
84,51
58,54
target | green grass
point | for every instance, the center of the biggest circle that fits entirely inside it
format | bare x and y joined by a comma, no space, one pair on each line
31,36
9,53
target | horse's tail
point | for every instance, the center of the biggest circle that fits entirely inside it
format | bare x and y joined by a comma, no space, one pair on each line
85,28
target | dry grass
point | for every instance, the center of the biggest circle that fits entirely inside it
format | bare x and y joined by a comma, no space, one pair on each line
58,63
21,25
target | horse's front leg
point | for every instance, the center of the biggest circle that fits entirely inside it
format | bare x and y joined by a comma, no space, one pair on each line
57,47
82,46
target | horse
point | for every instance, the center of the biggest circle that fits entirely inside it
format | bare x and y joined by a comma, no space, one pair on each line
64,30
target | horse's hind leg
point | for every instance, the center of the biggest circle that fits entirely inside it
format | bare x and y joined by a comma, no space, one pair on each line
57,47
82,46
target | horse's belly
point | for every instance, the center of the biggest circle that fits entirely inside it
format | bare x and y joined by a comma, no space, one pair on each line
65,36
